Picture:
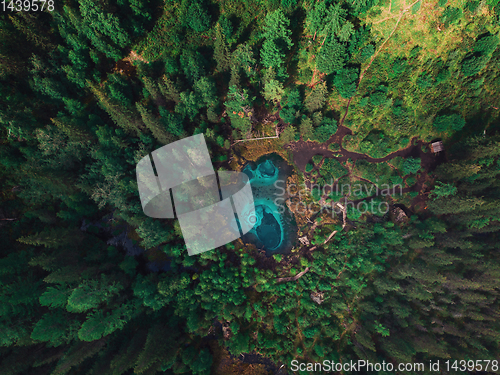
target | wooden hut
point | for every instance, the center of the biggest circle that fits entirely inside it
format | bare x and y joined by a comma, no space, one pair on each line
437,147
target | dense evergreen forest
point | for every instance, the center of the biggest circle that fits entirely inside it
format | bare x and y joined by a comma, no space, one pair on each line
350,91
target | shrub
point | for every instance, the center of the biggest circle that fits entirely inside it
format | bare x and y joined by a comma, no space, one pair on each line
378,98
345,81
447,122
411,165
410,181
367,52
424,81
327,128
333,167
317,159
291,106
398,67
486,45
317,98
473,65
331,57
306,128
443,190
451,15
198,18
442,76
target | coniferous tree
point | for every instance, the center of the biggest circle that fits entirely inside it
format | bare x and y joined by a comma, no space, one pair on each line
221,50
53,237
331,57
291,107
197,16
276,39
154,125
317,98
273,91
168,89
346,81
122,117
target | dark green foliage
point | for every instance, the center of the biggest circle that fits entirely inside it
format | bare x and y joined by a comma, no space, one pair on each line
276,40
238,106
109,26
451,15
89,295
327,128
189,105
168,89
346,81
205,87
273,91
119,89
477,61
331,57
424,81
361,6
449,122
51,329
317,159
53,237
153,233
154,125
288,4
442,76
316,98
226,25
291,106
243,58
172,122
411,165
444,190
221,51
473,65
193,64
288,135
306,128
332,168
379,96
398,67
196,15
122,116
487,44
367,52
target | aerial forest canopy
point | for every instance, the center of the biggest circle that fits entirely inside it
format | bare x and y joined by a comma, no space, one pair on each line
395,101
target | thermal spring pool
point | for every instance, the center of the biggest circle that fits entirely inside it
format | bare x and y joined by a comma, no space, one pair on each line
275,230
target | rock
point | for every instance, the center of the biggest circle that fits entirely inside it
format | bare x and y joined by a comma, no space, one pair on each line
399,215
226,330
317,297
304,240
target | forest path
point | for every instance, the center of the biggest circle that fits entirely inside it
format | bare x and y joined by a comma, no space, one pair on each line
401,14
303,151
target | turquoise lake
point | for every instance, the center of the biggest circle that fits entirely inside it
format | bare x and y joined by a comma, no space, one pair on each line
275,230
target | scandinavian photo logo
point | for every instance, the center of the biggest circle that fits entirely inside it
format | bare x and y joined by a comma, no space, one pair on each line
213,209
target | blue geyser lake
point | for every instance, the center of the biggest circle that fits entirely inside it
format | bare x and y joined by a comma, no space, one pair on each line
275,229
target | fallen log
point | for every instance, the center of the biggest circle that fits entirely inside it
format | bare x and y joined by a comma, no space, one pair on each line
296,277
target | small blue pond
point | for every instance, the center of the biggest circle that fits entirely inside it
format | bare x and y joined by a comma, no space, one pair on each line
275,229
